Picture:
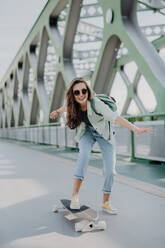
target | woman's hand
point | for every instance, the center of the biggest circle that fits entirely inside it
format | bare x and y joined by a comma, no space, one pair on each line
54,114
137,131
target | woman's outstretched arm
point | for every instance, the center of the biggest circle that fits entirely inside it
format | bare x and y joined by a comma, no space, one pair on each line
137,131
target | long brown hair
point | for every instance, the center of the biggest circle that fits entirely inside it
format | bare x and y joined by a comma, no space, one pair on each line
73,108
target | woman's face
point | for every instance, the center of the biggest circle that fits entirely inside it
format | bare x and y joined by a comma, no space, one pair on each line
80,93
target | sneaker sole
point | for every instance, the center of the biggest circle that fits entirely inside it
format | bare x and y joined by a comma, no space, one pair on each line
75,207
115,212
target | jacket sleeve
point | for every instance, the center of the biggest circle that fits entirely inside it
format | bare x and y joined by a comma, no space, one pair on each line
103,109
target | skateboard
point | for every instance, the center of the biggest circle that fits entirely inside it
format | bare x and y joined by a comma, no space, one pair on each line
87,219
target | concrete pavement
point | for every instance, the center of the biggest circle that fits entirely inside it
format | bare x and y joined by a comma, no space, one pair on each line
32,181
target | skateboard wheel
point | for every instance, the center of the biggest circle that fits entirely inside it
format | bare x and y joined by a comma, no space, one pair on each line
102,225
55,209
79,226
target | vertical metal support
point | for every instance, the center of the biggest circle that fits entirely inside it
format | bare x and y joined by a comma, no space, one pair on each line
57,141
66,140
132,146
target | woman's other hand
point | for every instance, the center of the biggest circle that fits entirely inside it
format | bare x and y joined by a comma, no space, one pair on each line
54,114
137,131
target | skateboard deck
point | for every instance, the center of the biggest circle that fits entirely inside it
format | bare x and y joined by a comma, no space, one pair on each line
89,217
84,212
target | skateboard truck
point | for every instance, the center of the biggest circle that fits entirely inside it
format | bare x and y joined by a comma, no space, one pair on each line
88,226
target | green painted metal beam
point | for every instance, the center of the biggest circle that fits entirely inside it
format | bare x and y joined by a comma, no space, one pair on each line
30,102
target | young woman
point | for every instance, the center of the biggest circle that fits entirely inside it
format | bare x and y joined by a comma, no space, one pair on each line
92,127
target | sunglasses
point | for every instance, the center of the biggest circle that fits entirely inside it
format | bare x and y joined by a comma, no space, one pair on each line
77,92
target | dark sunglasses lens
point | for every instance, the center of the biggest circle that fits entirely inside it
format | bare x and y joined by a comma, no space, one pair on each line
76,92
84,91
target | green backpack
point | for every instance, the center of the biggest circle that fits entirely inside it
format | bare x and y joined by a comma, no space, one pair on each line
108,100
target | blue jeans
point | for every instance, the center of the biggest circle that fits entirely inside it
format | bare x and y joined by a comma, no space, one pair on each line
108,152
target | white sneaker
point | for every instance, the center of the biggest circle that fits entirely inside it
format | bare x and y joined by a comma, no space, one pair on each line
107,207
75,203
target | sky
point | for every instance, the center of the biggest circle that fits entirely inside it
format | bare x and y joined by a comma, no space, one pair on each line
16,20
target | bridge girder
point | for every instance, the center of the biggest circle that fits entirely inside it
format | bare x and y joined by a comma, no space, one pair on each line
57,49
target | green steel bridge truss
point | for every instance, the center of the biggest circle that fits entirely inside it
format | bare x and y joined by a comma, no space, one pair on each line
101,41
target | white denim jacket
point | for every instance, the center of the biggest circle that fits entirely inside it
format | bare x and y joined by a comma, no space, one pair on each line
100,123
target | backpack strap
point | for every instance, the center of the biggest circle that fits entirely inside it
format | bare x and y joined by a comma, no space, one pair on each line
94,108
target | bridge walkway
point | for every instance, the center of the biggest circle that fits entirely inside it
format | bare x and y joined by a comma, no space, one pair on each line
33,177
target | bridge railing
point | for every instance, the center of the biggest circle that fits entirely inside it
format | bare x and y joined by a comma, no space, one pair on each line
146,146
